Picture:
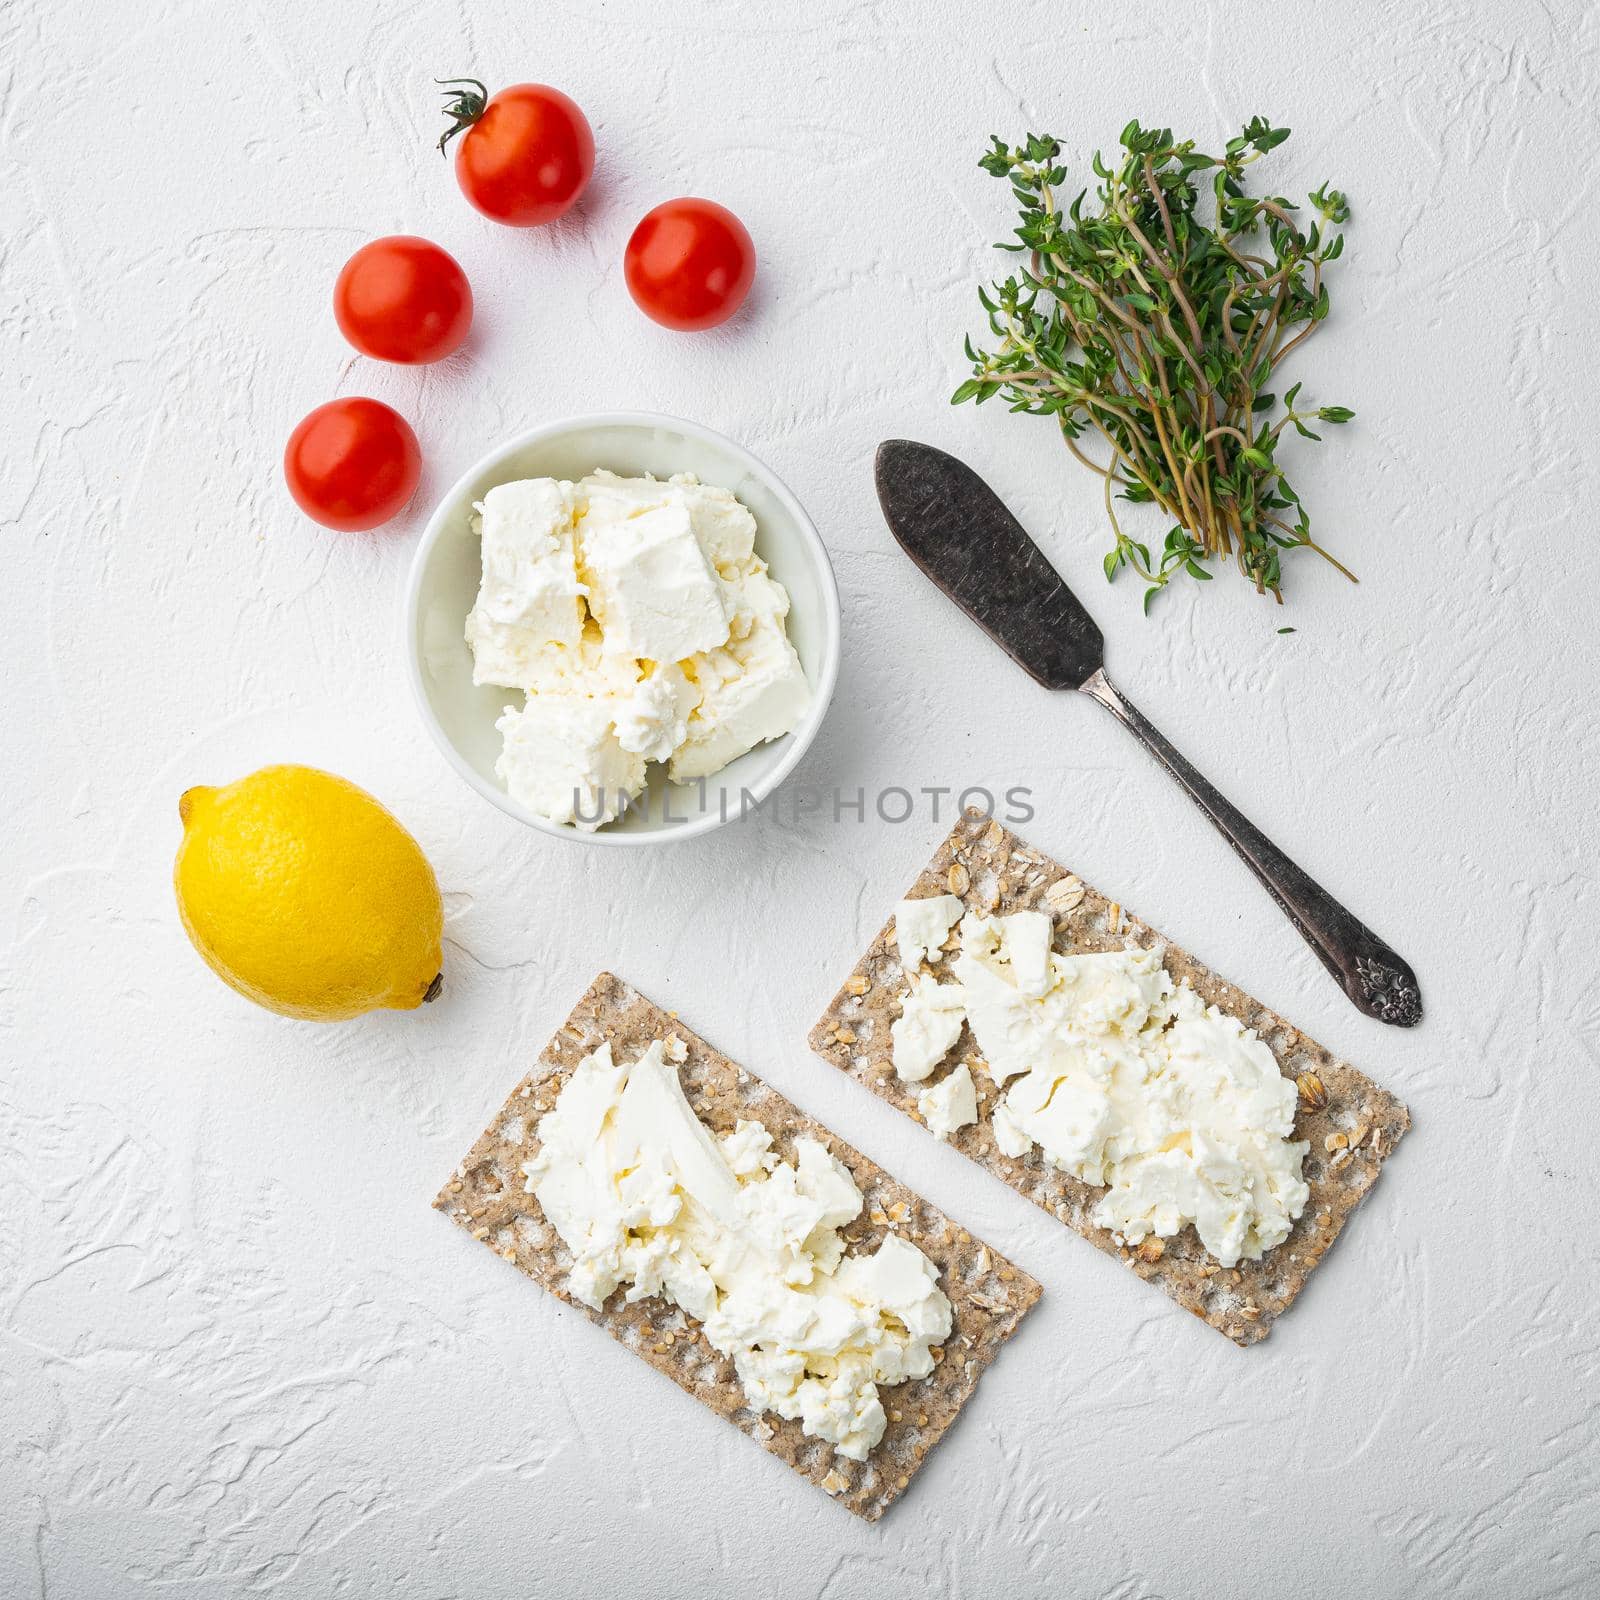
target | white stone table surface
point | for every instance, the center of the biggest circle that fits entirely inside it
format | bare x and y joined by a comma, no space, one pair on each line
239,1355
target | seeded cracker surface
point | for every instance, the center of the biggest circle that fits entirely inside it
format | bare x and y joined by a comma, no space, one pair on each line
1352,1124
989,1296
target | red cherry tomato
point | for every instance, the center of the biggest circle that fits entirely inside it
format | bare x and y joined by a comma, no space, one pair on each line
352,464
689,264
403,299
526,154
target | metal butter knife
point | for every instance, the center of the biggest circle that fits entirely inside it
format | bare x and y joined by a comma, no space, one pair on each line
956,528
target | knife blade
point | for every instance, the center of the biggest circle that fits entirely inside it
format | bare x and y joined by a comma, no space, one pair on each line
962,536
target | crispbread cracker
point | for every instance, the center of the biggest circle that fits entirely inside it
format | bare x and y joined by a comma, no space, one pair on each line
994,872
988,1296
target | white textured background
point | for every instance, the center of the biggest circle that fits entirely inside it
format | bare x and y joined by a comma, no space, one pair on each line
238,1353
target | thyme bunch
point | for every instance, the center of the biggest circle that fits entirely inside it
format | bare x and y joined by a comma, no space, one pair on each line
1158,328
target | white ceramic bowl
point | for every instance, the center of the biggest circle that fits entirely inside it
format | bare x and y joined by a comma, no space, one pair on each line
444,583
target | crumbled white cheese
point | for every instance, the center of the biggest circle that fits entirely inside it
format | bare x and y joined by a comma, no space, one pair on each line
1125,1080
562,758
530,597
647,598
649,1202
928,1025
949,1104
585,669
1008,1136
653,719
920,927
752,689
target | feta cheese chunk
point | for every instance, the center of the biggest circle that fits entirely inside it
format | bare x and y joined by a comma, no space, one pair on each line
1025,938
563,760
723,528
649,1203
928,1025
650,586
920,927
753,690
949,1104
530,597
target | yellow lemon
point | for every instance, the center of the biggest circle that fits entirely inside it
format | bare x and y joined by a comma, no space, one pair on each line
305,895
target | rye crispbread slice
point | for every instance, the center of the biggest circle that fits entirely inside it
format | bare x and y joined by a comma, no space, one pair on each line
993,871
988,1296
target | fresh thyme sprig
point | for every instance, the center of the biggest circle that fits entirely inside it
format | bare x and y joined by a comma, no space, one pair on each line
1160,331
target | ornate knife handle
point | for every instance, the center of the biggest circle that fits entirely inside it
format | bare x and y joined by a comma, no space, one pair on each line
1374,977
